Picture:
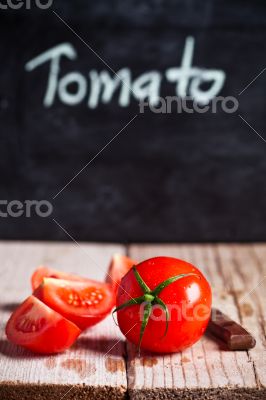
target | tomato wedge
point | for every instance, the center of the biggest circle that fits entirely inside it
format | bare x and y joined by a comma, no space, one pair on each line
36,327
118,268
45,272
84,303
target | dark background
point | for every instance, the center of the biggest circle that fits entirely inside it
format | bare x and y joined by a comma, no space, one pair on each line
173,177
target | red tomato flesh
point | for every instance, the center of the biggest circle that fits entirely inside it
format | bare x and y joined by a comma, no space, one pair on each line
118,268
45,272
182,298
36,327
84,303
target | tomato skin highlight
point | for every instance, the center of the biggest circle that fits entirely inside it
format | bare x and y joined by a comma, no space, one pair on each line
119,267
45,272
36,327
182,297
84,303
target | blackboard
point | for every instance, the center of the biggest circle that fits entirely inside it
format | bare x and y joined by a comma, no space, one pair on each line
166,177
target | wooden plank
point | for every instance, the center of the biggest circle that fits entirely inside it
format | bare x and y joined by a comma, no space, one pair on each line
248,285
95,366
207,370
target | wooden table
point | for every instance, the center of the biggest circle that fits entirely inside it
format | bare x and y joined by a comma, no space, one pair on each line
101,365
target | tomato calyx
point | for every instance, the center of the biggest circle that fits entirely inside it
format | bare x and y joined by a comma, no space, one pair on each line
149,299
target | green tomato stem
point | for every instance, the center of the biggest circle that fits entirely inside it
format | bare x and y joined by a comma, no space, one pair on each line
150,298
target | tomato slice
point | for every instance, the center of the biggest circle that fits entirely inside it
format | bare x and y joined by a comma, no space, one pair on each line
84,303
38,328
118,268
45,272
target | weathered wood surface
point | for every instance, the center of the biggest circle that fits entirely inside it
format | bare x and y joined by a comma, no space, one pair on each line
208,370
96,363
102,366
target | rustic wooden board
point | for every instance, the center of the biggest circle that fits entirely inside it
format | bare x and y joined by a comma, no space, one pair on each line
95,366
102,366
208,370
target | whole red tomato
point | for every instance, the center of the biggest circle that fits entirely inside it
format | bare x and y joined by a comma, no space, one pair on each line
163,304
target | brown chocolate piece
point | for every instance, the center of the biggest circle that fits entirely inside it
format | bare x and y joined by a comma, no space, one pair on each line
233,334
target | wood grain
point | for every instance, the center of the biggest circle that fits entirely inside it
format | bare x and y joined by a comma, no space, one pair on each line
248,286
101,366
208,369
94,367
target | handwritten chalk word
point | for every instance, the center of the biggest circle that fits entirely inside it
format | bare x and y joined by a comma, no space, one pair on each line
100,87
27,4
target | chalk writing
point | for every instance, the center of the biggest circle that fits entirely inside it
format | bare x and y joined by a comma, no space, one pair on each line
101,86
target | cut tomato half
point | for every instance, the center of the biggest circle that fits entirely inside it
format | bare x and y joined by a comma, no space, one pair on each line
45,272
118,268
84,303
38,328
